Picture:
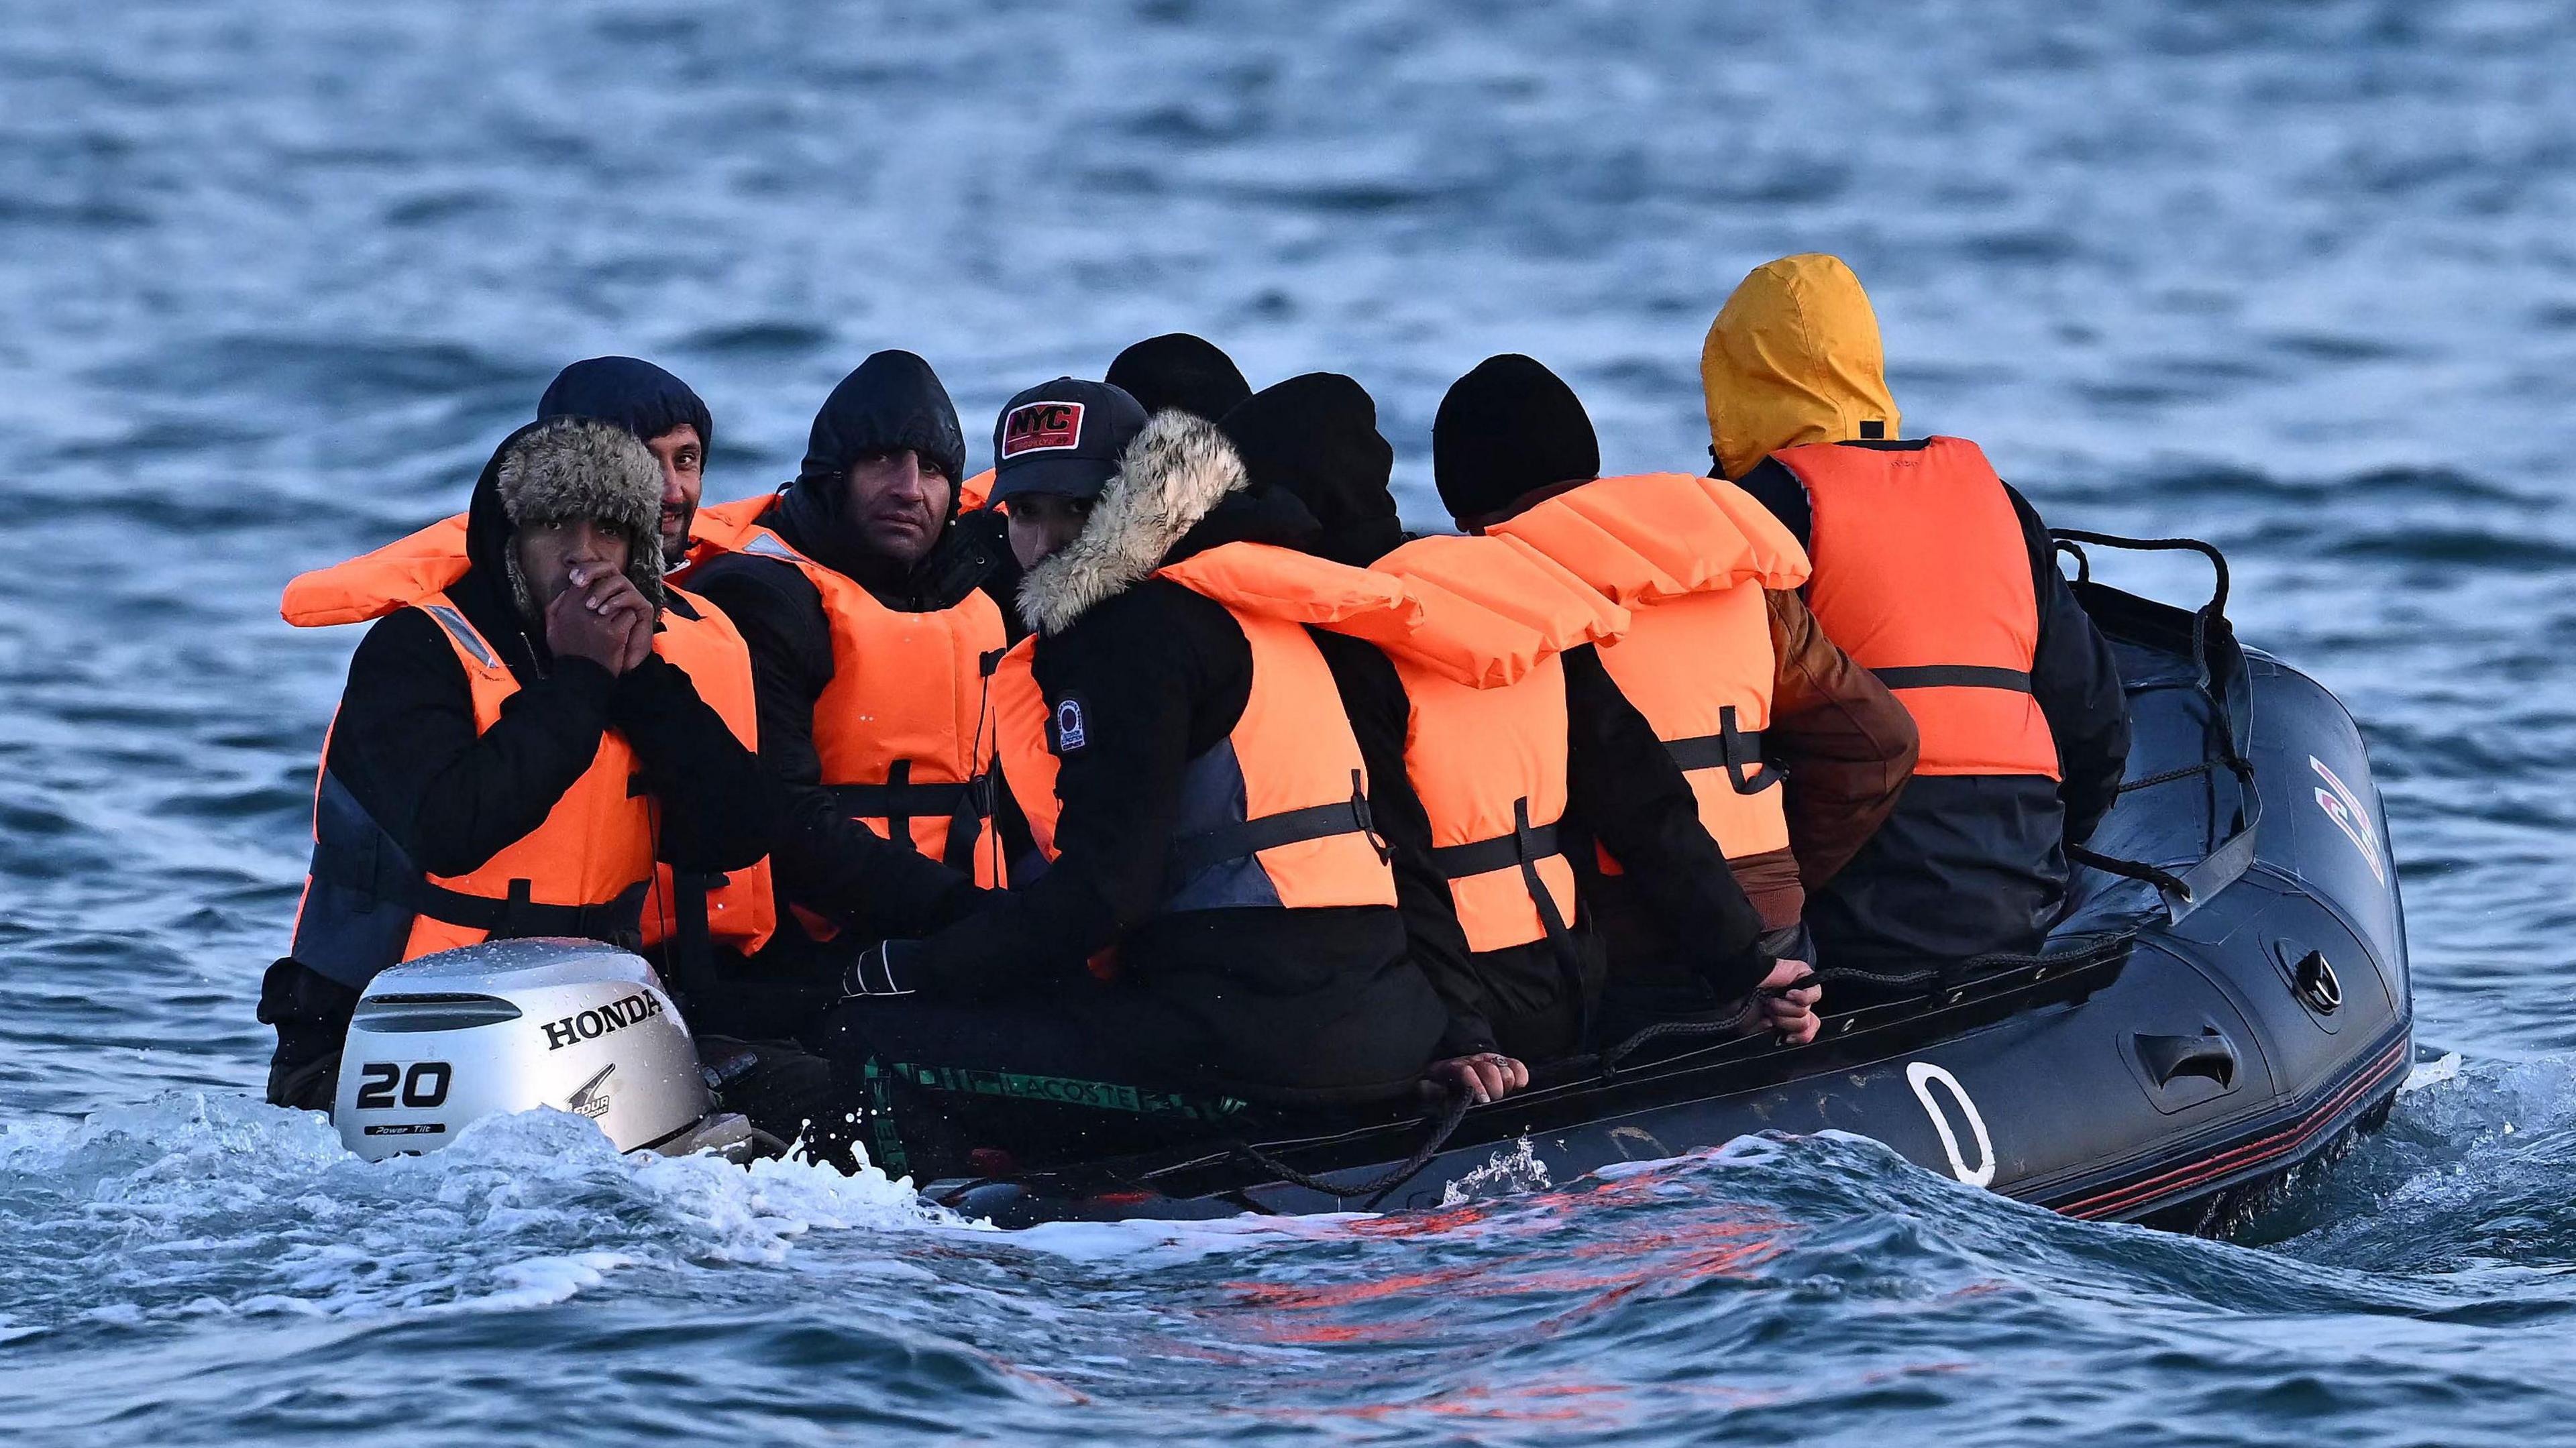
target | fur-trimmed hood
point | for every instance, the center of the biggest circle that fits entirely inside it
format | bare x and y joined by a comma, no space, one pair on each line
568,467
1176,472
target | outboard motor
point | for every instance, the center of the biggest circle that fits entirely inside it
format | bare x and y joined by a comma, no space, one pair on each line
511,1025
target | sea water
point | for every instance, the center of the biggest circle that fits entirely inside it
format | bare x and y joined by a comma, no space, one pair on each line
275,277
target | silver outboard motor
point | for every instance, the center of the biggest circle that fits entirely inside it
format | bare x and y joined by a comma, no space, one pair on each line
512,1025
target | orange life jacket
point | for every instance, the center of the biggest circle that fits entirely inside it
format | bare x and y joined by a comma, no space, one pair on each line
1691,557
975,492
1923,576
1489,764
904,730
740,908
1278,815
583,872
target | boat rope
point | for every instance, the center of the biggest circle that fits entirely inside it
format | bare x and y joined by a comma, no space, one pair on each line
1442,1128
2162,879
2168,777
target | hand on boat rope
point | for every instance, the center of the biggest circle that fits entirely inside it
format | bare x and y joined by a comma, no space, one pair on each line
1485,1077
1786,1002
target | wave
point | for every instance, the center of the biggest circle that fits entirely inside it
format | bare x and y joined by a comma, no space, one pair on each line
199,1205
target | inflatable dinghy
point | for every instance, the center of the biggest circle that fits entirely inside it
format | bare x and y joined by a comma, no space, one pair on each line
2225,998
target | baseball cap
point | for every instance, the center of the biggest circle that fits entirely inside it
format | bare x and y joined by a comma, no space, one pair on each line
1064,437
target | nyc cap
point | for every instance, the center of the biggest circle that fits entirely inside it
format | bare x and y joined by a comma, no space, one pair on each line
1064,437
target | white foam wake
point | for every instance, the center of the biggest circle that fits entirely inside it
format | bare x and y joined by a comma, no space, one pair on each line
197,1205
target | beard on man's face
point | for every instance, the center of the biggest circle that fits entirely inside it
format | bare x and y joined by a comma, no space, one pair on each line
674,531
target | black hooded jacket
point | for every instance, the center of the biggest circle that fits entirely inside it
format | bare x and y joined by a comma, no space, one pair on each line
405,746
1970,864
405,743
1316,437
827,861
1303,998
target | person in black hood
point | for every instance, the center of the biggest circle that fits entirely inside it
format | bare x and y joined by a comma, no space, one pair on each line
878,486
563,585
1316,437
657,407
873,504
1182,372
1228,982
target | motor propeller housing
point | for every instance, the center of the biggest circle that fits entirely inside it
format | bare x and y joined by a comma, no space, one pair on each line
442,1041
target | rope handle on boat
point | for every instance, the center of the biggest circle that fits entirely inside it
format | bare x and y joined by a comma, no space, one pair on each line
2070,539
1446,1125
2180,896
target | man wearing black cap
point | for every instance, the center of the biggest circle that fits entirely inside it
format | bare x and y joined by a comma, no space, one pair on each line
1177,371
1056,447
870,657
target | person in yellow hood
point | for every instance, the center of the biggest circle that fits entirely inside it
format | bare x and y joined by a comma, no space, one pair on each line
1939,578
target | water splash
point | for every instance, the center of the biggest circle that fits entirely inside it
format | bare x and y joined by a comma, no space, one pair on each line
198,1205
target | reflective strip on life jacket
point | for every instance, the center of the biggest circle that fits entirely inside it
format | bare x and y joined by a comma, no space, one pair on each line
1691,557
904,729
1923,575
584,871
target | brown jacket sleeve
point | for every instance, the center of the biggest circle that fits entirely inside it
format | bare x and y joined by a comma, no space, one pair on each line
1846,743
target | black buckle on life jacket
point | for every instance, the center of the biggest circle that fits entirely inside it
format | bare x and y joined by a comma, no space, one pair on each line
1737,751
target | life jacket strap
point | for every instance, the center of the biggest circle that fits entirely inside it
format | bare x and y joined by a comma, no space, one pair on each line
967,805
1522,849
1502,852
902,801
374,874
1737,751
1191,854
1955,676
692,944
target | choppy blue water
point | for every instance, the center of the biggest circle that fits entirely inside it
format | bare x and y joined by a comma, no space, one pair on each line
274,277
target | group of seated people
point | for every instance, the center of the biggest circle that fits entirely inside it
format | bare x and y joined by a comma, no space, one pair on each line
1159,774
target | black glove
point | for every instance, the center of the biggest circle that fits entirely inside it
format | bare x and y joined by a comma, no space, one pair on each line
885,969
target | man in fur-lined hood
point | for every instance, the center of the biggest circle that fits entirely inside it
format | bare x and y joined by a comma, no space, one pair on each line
562,473
563,585
1146,681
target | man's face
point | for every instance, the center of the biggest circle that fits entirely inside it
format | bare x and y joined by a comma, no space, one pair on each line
1041,523
549,552
899,502
683,456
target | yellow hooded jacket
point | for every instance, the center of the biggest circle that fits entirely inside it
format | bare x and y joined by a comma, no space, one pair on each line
1794,357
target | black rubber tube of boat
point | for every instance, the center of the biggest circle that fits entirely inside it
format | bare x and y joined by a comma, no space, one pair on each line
1442,1129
